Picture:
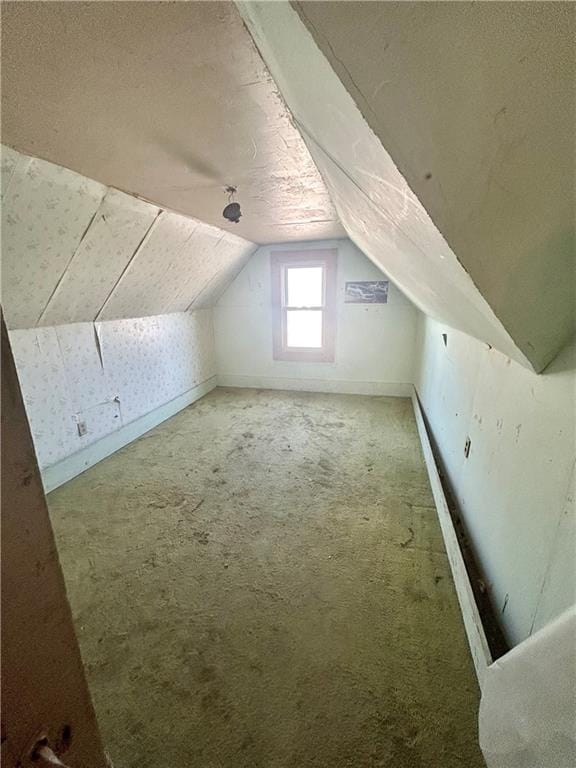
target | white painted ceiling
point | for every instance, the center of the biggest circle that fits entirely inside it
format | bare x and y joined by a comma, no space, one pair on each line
74,250
171,101
467,108
167,101
476,105
379,211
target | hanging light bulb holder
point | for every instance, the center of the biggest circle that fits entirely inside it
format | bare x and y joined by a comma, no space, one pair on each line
232,211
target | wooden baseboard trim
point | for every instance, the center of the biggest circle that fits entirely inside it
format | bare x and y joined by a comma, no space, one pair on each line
79,462
337,386
474,630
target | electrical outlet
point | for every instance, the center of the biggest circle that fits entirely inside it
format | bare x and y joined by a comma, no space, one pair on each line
467,445
82,428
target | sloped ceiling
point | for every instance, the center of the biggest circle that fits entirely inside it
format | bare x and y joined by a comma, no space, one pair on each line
375,204
167,101
475,103
74,250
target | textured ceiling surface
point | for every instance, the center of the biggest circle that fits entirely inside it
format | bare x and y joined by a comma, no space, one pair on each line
475,102
167,101
377,207
74,250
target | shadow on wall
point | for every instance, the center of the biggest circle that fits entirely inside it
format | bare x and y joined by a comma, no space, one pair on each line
514,490
497,642
564,362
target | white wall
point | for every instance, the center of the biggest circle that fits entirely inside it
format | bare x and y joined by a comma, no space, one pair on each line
516,488
375,344
107,375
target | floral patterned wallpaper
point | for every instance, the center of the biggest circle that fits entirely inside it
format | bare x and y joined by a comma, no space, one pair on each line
99,377
75,251
45,211
8,159
100,291
153,360
119,226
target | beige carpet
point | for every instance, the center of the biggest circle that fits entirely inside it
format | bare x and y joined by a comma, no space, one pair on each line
261,582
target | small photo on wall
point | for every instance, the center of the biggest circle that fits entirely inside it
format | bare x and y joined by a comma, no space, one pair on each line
367,292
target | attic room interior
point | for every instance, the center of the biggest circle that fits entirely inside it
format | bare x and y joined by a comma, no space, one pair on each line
288,384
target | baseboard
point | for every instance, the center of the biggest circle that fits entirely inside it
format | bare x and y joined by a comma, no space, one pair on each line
472,622
317,385
70,467
79,462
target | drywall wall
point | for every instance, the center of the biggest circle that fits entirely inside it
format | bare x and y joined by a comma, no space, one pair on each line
74,251
528,709
515,491
475,104
377,208
374,343
98,378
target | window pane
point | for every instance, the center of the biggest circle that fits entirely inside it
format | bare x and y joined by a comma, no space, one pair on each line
304,328
304,286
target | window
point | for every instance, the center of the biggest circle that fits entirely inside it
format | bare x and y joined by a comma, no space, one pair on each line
304,305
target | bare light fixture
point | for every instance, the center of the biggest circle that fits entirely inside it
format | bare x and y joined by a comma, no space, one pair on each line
232,211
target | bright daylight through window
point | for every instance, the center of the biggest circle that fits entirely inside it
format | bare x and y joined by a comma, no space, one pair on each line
303,290
304,299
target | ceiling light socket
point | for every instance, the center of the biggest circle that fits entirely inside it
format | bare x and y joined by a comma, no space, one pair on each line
232,211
